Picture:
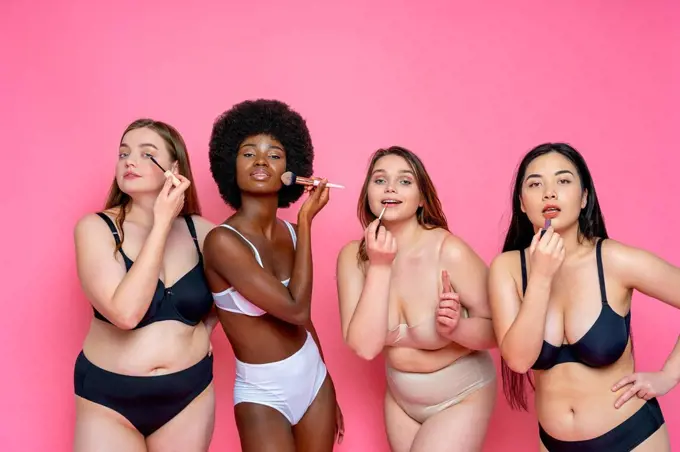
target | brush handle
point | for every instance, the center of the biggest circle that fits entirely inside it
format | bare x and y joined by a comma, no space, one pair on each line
175,181
328,184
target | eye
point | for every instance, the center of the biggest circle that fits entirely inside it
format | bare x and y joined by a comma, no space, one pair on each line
147,155
275,157
564,181
247,154
380,180
405,182
533,184
122,155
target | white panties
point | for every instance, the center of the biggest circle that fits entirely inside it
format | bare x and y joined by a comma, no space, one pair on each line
289,386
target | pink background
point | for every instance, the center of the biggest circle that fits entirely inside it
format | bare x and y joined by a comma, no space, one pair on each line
468,87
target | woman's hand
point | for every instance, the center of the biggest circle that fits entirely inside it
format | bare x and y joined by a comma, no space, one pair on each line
645,386
317,199
170,201
381,248
449,309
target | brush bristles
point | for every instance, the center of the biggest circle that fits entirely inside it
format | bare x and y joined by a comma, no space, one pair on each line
288,178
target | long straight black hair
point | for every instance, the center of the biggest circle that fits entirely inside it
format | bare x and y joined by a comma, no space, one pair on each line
521,232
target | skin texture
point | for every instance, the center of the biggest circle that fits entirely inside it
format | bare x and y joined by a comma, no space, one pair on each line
281,332
561,304
422,278
161,246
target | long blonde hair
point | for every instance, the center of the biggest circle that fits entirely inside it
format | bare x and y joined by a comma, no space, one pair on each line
178,152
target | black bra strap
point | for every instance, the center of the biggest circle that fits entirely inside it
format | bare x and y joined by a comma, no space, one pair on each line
600,270
108,221
192,231
523,260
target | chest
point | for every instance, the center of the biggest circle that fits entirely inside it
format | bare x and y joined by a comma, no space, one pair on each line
579,297
414,287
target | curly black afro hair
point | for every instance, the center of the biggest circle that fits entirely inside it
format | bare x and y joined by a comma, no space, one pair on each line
255,117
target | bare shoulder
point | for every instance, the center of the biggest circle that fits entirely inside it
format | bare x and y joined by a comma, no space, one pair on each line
618,256
202,222
455,249
506,261
349,251
90,224
203,225
348,256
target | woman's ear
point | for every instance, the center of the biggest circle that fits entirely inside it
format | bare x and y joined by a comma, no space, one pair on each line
584,199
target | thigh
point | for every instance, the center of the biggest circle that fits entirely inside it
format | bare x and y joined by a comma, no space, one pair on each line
400,427
101,429
261,428
460,428
658,442
191,430
316,430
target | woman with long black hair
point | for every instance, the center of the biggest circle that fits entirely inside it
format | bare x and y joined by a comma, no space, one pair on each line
560,297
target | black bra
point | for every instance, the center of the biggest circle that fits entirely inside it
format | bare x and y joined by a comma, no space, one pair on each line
188,301
602,345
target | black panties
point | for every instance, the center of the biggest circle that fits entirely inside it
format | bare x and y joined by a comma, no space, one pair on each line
147,402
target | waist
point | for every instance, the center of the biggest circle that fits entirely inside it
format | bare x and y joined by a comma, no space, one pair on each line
259,340
157,349
424,361
574,402
298,363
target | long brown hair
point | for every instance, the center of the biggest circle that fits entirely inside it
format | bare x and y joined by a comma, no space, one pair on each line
430,215
178,152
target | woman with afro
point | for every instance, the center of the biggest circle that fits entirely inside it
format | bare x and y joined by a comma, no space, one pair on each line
259,269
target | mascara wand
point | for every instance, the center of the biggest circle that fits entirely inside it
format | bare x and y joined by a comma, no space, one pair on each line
167,173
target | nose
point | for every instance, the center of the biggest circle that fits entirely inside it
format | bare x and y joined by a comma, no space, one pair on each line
261,160
549,193
389,188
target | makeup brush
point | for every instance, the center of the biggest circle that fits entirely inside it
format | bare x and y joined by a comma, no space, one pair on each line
380,221
167,173
545,227
289,178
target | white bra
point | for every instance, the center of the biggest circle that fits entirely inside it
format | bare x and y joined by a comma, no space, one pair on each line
232,301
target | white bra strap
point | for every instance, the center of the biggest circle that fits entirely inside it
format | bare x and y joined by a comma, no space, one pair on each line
257,254
292,233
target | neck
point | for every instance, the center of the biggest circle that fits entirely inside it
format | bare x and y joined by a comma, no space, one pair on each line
405,232
141,209
260,212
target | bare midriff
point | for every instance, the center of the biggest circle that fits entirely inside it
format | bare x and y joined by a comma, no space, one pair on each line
160,348
575,402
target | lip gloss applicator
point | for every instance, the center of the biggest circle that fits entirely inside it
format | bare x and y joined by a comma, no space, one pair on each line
380,221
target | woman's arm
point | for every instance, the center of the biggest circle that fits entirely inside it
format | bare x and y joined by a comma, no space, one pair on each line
519,325
203,227
647,273
364,302
227,255
122,297
468,275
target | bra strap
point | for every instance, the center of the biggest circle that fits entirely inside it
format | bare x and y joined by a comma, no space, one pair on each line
257,253
112,226
523,261
600,270
291,229
192,231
